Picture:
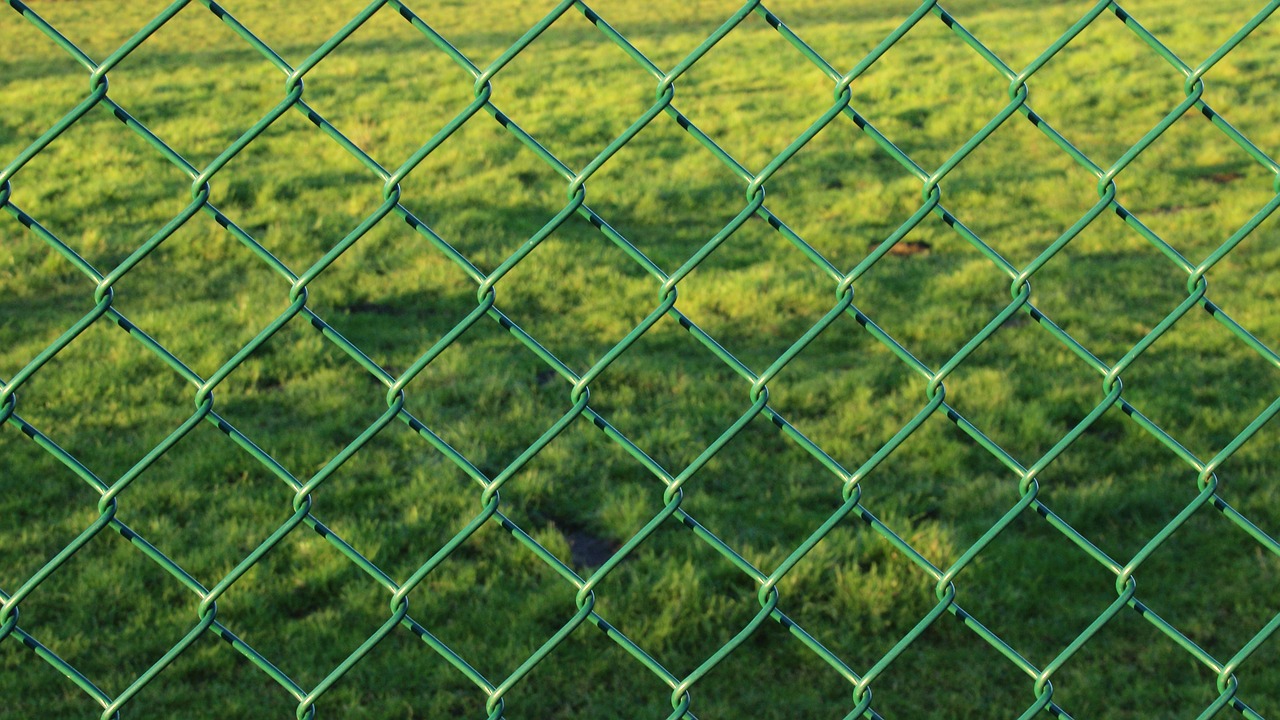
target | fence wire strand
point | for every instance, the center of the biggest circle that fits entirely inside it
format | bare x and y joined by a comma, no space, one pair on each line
844,308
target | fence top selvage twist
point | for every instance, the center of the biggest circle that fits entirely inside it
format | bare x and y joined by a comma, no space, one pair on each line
668,290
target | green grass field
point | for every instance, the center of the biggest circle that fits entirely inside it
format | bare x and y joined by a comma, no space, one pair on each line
111,612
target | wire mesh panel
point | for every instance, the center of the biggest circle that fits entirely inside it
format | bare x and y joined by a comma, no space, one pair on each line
527,293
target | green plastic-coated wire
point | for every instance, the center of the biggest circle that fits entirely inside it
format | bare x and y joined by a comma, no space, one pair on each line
670,482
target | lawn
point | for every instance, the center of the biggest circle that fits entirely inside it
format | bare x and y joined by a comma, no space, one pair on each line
484,383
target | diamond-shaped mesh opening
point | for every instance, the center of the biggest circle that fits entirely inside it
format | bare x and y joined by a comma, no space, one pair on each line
856,575
307,620
794,496
1221,628
1109,672
489,411
597,294
1017,31
934,297
202,295
1105,90
573,90
494,603
918,487
679,599
1018,191
990,683
1057,589
487,221
393,295
929,116
297,380
687,196
1118,485
1108,288
108,595
669,375
206,504
757,311
103,379
297,210
586,488
844,195
733,93
400,504
1024,389
847,393
124,190
389,51
916,493
1205,403
217,62
293,35
1193,178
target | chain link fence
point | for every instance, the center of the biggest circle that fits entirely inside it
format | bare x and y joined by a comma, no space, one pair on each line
304,514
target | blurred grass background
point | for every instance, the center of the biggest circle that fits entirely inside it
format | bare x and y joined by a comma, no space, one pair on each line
111,613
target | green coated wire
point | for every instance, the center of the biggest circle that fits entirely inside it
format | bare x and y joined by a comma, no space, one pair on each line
1026,478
